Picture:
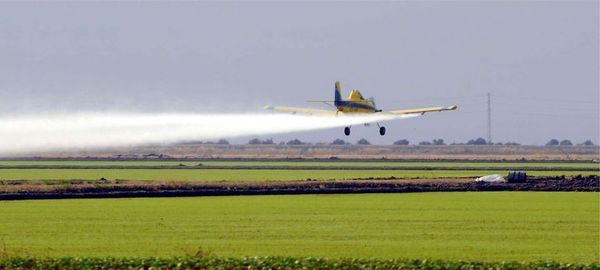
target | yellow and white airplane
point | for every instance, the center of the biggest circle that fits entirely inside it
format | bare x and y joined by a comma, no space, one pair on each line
356,104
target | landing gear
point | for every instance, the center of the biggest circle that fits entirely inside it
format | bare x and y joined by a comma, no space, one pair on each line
347,131
381,130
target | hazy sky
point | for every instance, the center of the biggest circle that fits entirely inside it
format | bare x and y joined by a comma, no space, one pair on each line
539,60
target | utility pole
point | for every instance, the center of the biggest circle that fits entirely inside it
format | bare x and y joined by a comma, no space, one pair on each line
489,120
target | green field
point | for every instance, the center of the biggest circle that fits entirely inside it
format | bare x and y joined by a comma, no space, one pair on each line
247,174
488,226
302,163
261,175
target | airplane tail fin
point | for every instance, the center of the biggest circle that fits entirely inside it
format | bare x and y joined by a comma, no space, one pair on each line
338,93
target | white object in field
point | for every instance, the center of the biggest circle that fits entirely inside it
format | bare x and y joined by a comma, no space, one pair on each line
494,178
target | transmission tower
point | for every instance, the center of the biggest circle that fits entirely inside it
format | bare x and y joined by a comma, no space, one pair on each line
489,120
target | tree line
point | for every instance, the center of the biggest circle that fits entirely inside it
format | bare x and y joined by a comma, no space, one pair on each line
363,141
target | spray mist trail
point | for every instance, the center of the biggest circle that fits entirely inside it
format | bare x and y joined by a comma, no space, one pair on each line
97,130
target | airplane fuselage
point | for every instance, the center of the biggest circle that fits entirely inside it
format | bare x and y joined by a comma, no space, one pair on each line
355,102
356,107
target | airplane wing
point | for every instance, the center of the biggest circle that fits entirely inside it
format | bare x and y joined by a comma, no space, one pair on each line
308,111
421,110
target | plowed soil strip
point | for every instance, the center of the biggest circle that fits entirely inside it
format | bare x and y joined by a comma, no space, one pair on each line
22,190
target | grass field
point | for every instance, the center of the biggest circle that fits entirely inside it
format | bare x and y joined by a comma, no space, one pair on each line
302,163
247,174
488,226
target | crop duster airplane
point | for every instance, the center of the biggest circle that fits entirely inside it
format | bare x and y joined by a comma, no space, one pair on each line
356,104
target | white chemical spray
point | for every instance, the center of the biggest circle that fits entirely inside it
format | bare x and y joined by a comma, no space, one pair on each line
96,130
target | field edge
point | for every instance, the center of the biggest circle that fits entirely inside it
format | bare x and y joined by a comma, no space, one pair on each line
208,262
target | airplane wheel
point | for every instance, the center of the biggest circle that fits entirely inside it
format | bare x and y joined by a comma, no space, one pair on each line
347,131
382,131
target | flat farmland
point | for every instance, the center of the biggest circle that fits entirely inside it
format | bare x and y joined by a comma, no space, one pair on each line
354,152
248,174
431,164
484,226
273,170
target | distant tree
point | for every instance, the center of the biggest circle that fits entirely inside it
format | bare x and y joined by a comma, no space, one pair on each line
425,143
223,141
338,142
401,142
363,141
478,141
258,141
512,143
438,142
588,143
268,141
254,141
552,142
190,142
566,143
295,142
